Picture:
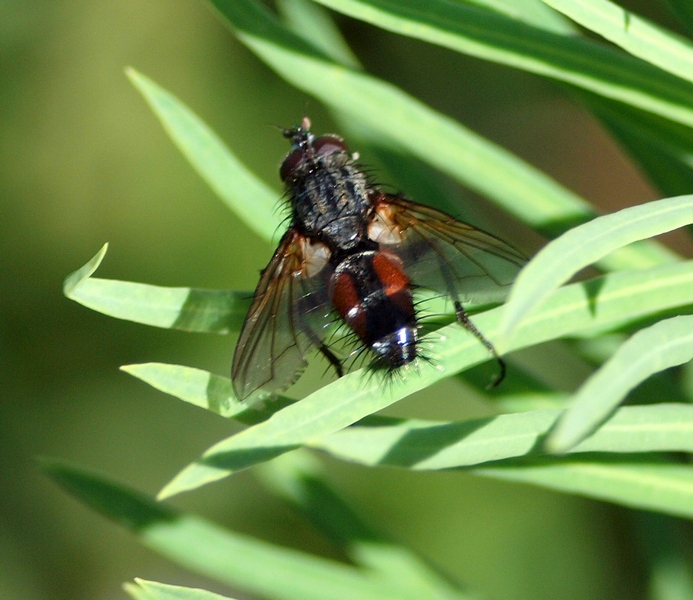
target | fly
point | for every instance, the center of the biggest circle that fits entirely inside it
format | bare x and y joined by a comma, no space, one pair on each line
356,253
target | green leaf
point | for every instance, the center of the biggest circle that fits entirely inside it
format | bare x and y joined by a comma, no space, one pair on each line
203,389
515,185
74,280
383,108
221,169
329,409
663,148
665,344
634,34
298,478
606,304
237,560
210,311
151,590
312,22
493,37
432,446
640,483
600,305
135,592
195,386
533,12
559,260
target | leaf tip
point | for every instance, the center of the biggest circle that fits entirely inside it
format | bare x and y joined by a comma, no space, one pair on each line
168,491
131,589
62,472
133,74
179,484
73,280
142,83
137,371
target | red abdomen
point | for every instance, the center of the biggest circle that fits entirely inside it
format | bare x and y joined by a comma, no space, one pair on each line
373,295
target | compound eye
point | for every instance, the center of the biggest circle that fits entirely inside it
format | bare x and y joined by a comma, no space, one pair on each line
292,160
329,144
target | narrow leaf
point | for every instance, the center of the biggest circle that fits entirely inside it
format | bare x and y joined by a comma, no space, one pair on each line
312,22
634,34
203,389
666,344
250,198
532,12
595,306
643,484
195,386
188,309
255,566
429,445
74,280
559,260
491,36
135,592
151,590
298,478
436,139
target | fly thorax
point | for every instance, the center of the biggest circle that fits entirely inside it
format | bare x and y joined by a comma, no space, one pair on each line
345,234
327,194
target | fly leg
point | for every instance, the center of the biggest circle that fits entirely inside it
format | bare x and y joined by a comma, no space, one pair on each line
465,321
327,353
302,308
463,318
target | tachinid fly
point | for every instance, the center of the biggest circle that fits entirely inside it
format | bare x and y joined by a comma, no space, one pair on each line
355,253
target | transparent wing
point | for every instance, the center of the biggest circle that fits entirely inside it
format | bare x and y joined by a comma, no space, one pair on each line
288,316
443,254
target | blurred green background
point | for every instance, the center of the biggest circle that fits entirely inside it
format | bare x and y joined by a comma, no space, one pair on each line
83,161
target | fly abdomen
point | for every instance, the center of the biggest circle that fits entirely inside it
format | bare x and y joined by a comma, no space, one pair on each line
373,295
